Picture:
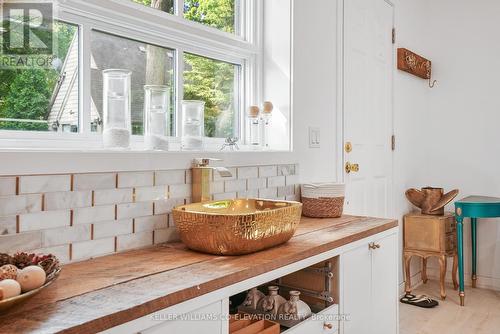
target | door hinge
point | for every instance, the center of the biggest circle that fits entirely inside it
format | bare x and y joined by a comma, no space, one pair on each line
393,35
393,142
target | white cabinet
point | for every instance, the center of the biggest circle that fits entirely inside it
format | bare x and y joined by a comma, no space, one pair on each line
370,295
206,319
325,322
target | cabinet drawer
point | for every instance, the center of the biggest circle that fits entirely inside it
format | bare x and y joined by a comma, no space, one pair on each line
202,320
318,323
450,225
451,241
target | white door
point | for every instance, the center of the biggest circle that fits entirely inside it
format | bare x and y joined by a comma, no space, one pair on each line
385,286
367,92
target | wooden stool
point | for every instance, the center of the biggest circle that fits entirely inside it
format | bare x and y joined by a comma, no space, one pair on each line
426,236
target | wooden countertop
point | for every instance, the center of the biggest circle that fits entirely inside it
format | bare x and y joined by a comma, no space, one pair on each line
101,293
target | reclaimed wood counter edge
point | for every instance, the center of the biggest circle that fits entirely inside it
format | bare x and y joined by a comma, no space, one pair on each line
86,313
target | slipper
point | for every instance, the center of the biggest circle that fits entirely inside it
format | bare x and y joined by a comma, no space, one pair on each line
420,301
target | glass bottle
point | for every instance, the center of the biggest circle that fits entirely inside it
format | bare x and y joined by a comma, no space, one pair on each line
267,109
193,125
116,108
253,126
155,117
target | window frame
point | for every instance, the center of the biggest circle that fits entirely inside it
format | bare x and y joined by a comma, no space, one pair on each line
125,18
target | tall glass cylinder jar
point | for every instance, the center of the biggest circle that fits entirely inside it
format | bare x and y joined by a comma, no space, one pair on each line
267,109
253,127
116,108
155,117
193,128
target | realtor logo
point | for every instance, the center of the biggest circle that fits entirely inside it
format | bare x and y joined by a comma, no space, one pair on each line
27,27
26,33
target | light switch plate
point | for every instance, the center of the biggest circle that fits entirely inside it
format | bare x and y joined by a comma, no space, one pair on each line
314,137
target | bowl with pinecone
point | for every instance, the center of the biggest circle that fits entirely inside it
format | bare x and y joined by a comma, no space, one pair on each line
23,275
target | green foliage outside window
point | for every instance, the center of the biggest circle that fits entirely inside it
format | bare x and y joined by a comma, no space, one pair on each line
26,93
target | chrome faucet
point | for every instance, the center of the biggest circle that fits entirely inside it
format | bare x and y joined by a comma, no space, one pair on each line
201,178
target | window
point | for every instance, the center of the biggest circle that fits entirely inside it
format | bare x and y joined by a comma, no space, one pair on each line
163,5
195,47
150,65
41,92
220,14
216,83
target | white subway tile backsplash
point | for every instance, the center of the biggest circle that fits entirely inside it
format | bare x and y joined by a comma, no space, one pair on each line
166,235
275,181
133,210
7,185
216,187
286,170
94,181
166,206
135,179
117,210
151,223
165,177
112,228
13,243
267,171
256,183
218,197
92,248
65,235
235,185
113,196
68,200
180,190
44,183
43,220
156,193
248,172
93,214
286,191
254,193
61,252
268,193
13,205
7,225
134,240
292,180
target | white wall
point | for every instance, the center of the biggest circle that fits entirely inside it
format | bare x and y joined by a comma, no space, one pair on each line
462,134
315,86
411,101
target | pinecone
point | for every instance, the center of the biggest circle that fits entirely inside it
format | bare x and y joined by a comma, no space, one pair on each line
21,260
5,259
49,263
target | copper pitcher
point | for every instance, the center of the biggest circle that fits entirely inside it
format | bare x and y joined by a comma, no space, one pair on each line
430,200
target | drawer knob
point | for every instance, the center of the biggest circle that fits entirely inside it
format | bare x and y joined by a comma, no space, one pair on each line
373,245
327,325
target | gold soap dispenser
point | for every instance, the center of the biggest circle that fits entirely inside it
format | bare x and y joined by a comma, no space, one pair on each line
201,174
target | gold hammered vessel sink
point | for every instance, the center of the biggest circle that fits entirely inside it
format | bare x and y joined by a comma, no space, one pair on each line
235,227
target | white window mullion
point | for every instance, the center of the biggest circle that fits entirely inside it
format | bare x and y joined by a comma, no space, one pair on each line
84,77
179,91
179,7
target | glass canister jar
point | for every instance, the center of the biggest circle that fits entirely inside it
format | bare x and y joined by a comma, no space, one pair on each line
267,109
156,105
116,108
253,127
193,125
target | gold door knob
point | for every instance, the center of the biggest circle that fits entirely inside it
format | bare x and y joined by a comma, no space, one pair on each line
327,325
373,245
349,167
